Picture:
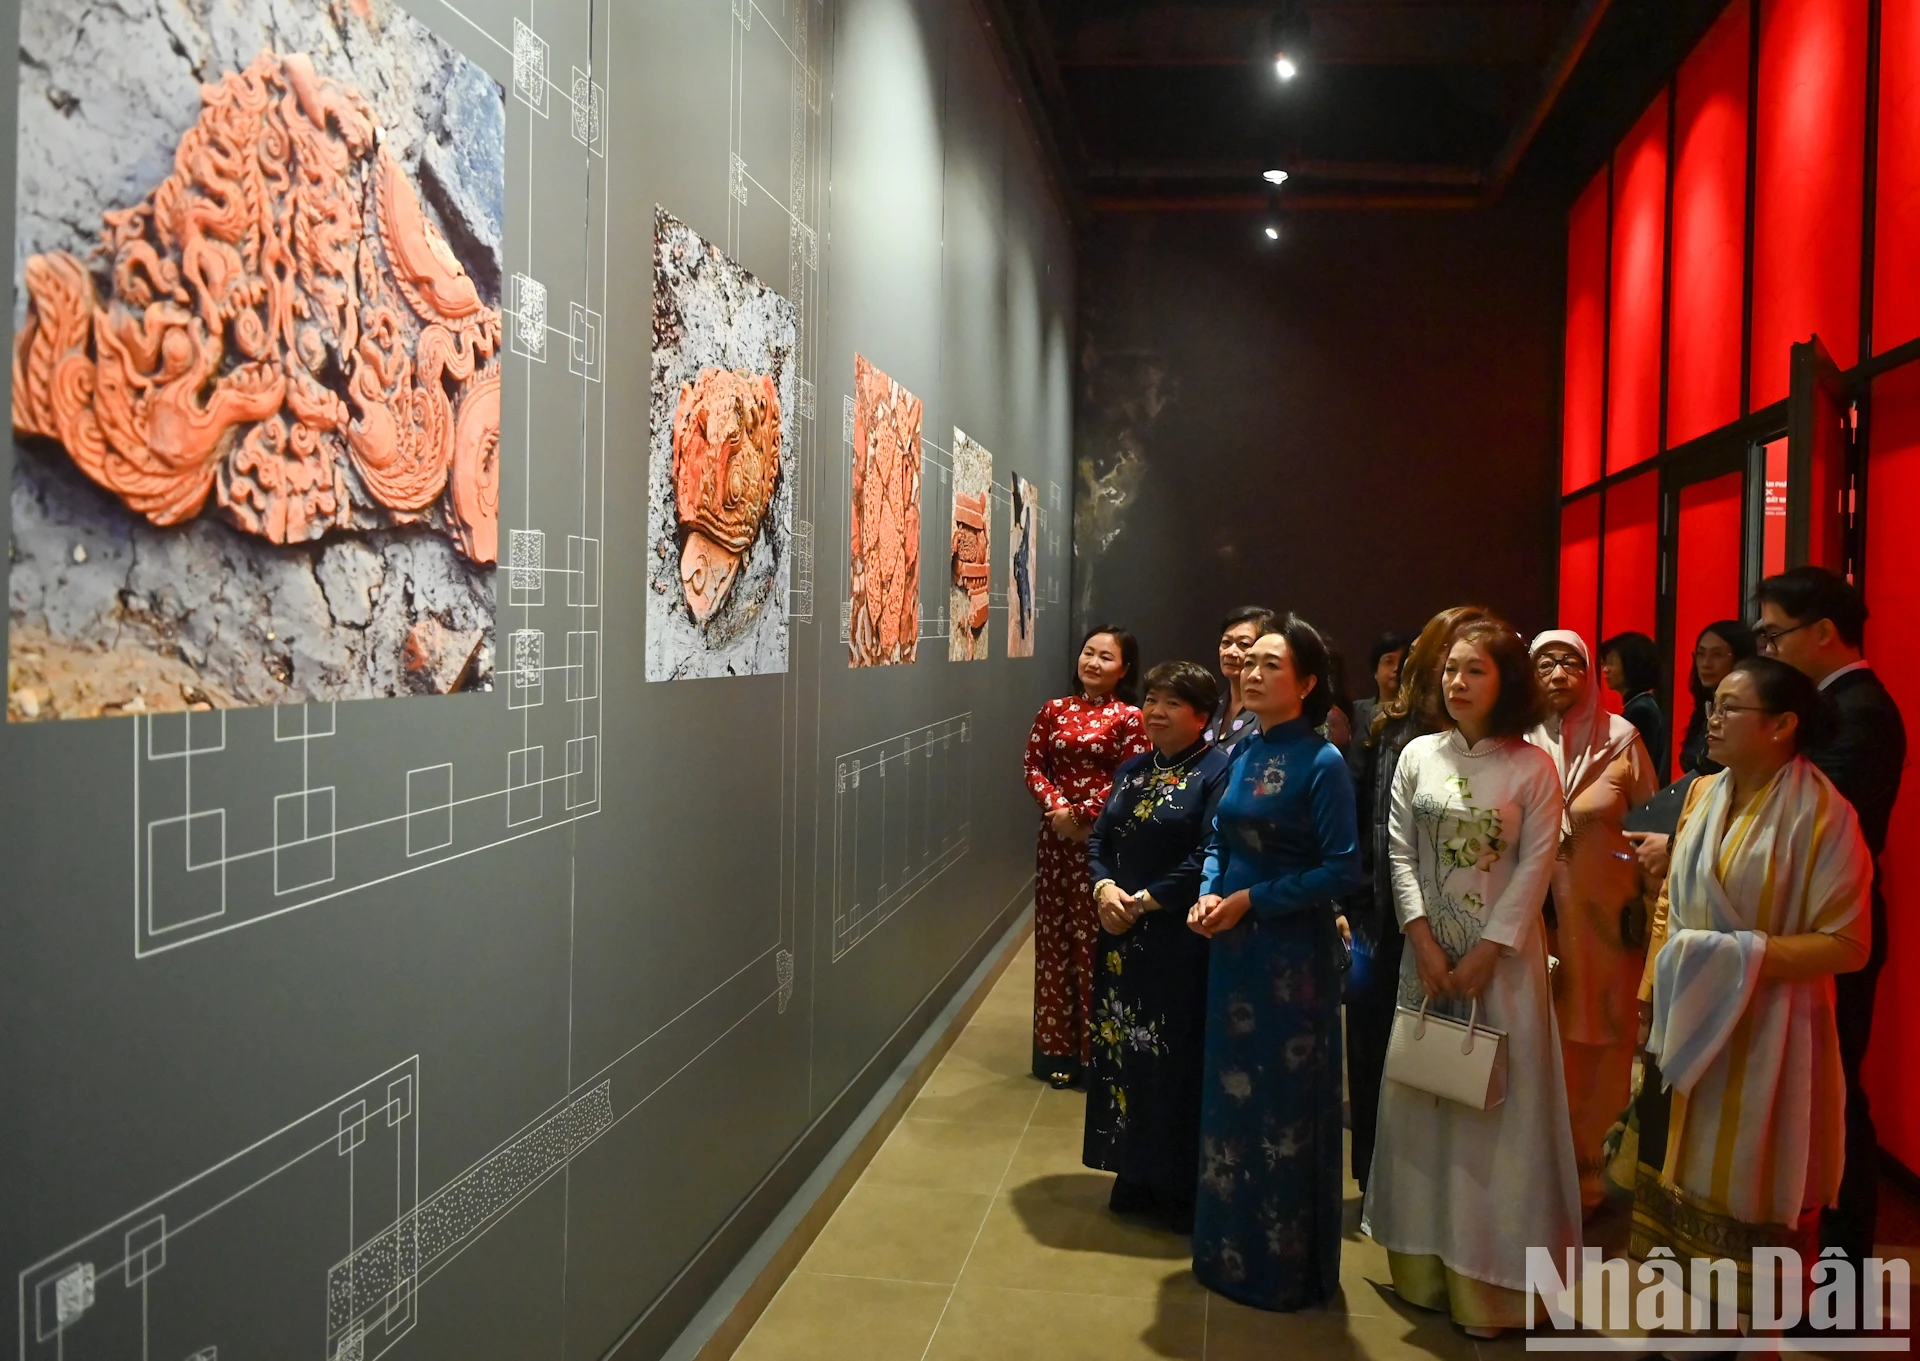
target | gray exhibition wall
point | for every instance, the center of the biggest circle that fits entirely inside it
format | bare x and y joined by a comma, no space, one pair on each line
558,989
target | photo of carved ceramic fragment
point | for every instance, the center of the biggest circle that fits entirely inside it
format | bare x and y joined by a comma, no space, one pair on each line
1020,548
883,618
720,480
256,371
970,579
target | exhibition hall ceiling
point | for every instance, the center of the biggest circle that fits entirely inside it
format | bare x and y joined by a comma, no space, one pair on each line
1178,104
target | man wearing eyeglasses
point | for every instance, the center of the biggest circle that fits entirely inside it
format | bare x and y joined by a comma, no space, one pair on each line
1816,622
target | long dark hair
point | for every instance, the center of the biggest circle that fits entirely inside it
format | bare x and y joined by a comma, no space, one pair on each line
1308,651
1127,689
1639,659
1739,640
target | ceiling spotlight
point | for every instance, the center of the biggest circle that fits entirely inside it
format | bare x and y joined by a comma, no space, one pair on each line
1273,233
1284,67
1274,176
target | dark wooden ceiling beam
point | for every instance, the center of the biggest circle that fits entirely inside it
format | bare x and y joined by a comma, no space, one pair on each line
1354,33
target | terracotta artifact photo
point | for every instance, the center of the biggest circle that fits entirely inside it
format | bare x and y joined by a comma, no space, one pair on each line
257,410
720,482
970,582
883,620
1020,555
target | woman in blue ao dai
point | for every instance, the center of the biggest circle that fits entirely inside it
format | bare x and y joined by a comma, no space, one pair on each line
1285,848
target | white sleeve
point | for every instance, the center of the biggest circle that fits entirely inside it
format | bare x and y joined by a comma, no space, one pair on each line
1517,909
1403,844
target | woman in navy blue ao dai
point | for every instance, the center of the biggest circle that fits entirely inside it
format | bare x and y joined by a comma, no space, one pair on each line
1285,848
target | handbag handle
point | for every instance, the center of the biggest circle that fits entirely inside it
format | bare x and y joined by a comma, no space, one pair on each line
1473,1024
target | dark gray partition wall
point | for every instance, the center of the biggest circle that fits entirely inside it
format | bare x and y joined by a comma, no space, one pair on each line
493,1024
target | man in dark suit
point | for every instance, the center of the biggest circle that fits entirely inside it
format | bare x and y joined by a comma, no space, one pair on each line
1816,622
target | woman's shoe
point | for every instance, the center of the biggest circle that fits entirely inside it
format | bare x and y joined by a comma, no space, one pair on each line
1059,1081
1484,1334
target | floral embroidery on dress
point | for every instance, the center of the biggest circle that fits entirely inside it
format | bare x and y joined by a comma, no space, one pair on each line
1272,779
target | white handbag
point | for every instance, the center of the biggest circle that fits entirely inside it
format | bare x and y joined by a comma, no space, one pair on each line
1437,1054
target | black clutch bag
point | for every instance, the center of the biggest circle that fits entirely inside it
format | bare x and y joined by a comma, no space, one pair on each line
1661,813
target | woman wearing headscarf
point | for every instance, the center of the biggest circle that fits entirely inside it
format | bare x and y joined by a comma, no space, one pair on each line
1766,902
1599,933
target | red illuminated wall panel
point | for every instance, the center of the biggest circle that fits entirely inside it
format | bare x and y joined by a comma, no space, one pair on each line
1586,336
1893,598
1810,119
1709,230
1632,556
1639,259
1706,579
1896,233
1580,565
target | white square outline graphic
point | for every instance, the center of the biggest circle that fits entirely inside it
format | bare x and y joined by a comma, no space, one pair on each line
220,863
282,723
423,814
526,668
307,838
532,762
190,719
526,567
583,771
583,571
530,68
583,665
144,1249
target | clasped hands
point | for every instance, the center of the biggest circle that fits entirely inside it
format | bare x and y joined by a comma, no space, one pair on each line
1118,909
1067,826
1464,978
1213,914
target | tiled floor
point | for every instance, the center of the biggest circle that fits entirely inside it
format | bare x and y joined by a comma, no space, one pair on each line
976,1235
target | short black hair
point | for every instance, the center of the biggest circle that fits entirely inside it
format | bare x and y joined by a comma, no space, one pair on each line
1385,643
1128,688
1189,682
1308,651
1785,689
1639,657
1807,595
1522,703
1263,619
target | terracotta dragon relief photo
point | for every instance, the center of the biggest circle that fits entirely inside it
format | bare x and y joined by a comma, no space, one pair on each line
884,619
278,339
970,587
720,480
285,331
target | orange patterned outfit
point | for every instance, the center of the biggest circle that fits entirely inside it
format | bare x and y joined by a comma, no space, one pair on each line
1072,751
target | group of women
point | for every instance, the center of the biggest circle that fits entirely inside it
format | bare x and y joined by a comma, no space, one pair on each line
1215,872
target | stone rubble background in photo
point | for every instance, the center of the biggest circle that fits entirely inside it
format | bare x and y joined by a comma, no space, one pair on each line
109,613
1020,549
972,476
708,312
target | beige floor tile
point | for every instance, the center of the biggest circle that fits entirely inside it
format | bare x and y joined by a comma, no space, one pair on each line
944,1154
1048,1150
986,1323
834,1318
1236,1333
1001,1044
906,1233
961,1089
1055,1233
1065,1108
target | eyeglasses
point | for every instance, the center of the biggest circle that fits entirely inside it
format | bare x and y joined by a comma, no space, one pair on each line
1768,640
1546,666
1720,711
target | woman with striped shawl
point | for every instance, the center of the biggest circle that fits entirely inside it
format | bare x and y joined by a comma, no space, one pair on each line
1766,902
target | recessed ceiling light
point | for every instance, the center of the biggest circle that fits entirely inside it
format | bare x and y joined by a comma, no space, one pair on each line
1274,176
1283,66
1273,233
